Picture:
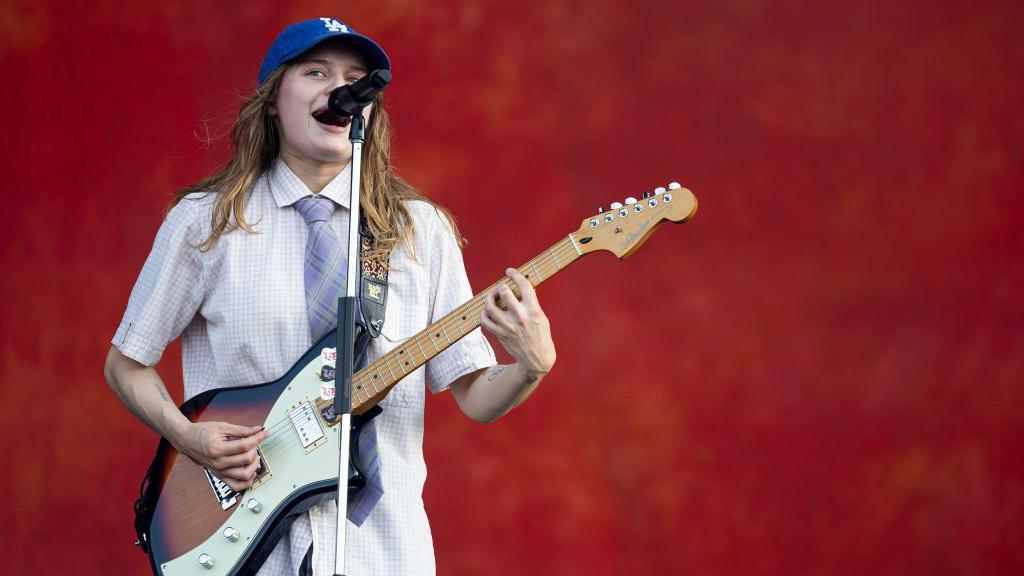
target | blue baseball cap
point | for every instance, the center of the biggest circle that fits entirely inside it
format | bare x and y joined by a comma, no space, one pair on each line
296,39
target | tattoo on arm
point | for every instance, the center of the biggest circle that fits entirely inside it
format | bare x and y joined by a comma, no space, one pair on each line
494,372
162,390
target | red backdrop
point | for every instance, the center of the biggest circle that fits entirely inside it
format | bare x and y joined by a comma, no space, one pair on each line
823,373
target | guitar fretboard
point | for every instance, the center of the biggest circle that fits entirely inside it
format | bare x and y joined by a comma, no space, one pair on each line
373,381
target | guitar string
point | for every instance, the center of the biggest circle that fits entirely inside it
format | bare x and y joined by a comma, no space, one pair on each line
566,249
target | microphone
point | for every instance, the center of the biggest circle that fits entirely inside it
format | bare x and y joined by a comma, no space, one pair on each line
348,99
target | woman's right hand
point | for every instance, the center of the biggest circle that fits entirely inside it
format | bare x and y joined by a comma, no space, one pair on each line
227,450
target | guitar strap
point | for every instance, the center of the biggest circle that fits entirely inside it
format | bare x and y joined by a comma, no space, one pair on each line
373,283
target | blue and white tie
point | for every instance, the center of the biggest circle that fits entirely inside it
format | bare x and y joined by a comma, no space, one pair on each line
325,273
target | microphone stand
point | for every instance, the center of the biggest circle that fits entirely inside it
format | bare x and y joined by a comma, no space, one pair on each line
350,100
346,341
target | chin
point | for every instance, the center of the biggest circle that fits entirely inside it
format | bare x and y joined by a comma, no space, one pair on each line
338,158
331,154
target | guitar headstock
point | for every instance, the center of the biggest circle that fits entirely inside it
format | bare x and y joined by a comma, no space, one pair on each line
625,226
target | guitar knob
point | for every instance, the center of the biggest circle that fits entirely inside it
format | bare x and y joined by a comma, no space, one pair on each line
206,561
231,534
674,186
659,190
616,205
254,505
630,200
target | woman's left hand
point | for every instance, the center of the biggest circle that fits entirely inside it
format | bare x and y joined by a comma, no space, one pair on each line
522,328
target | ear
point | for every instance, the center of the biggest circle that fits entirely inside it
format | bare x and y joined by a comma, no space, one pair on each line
272,109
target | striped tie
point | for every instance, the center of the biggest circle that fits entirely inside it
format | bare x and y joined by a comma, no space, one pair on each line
325,275
325,269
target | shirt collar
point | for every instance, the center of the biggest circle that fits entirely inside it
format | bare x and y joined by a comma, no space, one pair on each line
287,188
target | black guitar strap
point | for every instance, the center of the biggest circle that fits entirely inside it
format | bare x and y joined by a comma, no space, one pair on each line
373,283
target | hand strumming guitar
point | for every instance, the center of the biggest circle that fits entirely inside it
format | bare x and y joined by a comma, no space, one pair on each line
227,450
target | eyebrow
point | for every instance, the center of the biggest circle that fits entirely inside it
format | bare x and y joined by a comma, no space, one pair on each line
354,67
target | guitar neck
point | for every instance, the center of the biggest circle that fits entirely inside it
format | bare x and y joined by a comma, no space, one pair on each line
373,382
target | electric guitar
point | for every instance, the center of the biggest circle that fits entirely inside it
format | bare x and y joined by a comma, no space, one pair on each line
192,523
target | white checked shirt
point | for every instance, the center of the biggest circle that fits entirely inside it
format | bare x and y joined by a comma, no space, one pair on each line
240,309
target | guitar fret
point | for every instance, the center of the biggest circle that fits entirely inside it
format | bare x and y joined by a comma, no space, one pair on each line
535,271
443,331
430,338
399,364
417,341
402,352
384,359
554,259
467,312
379,375
575,246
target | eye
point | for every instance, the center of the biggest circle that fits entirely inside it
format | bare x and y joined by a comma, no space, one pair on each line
352,79
316,73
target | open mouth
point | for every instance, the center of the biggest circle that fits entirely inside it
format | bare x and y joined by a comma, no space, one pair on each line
325,116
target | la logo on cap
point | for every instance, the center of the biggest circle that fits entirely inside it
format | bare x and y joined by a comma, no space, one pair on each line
334,26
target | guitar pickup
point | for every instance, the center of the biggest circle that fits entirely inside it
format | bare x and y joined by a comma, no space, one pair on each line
307,426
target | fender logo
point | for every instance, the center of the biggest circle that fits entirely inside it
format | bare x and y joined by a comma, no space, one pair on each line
634,235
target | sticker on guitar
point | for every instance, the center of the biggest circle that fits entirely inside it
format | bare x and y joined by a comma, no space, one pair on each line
228,497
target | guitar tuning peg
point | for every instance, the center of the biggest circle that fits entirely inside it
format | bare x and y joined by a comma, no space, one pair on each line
659,190
630,200
616,205
648,195
600,209
674,186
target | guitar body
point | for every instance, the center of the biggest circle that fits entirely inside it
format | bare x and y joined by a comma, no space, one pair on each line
196,515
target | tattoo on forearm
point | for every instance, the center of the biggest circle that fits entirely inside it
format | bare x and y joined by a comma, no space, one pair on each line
494,372
162,390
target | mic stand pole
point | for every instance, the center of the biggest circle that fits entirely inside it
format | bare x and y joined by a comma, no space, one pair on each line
346,342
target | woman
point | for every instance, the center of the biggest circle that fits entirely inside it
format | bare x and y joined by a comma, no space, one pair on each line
229,273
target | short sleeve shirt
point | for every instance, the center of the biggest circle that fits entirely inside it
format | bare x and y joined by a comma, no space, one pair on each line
240,309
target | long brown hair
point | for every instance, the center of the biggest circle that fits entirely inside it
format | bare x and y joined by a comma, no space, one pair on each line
255,144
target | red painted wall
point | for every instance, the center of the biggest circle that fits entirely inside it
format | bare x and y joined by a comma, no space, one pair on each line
823,373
